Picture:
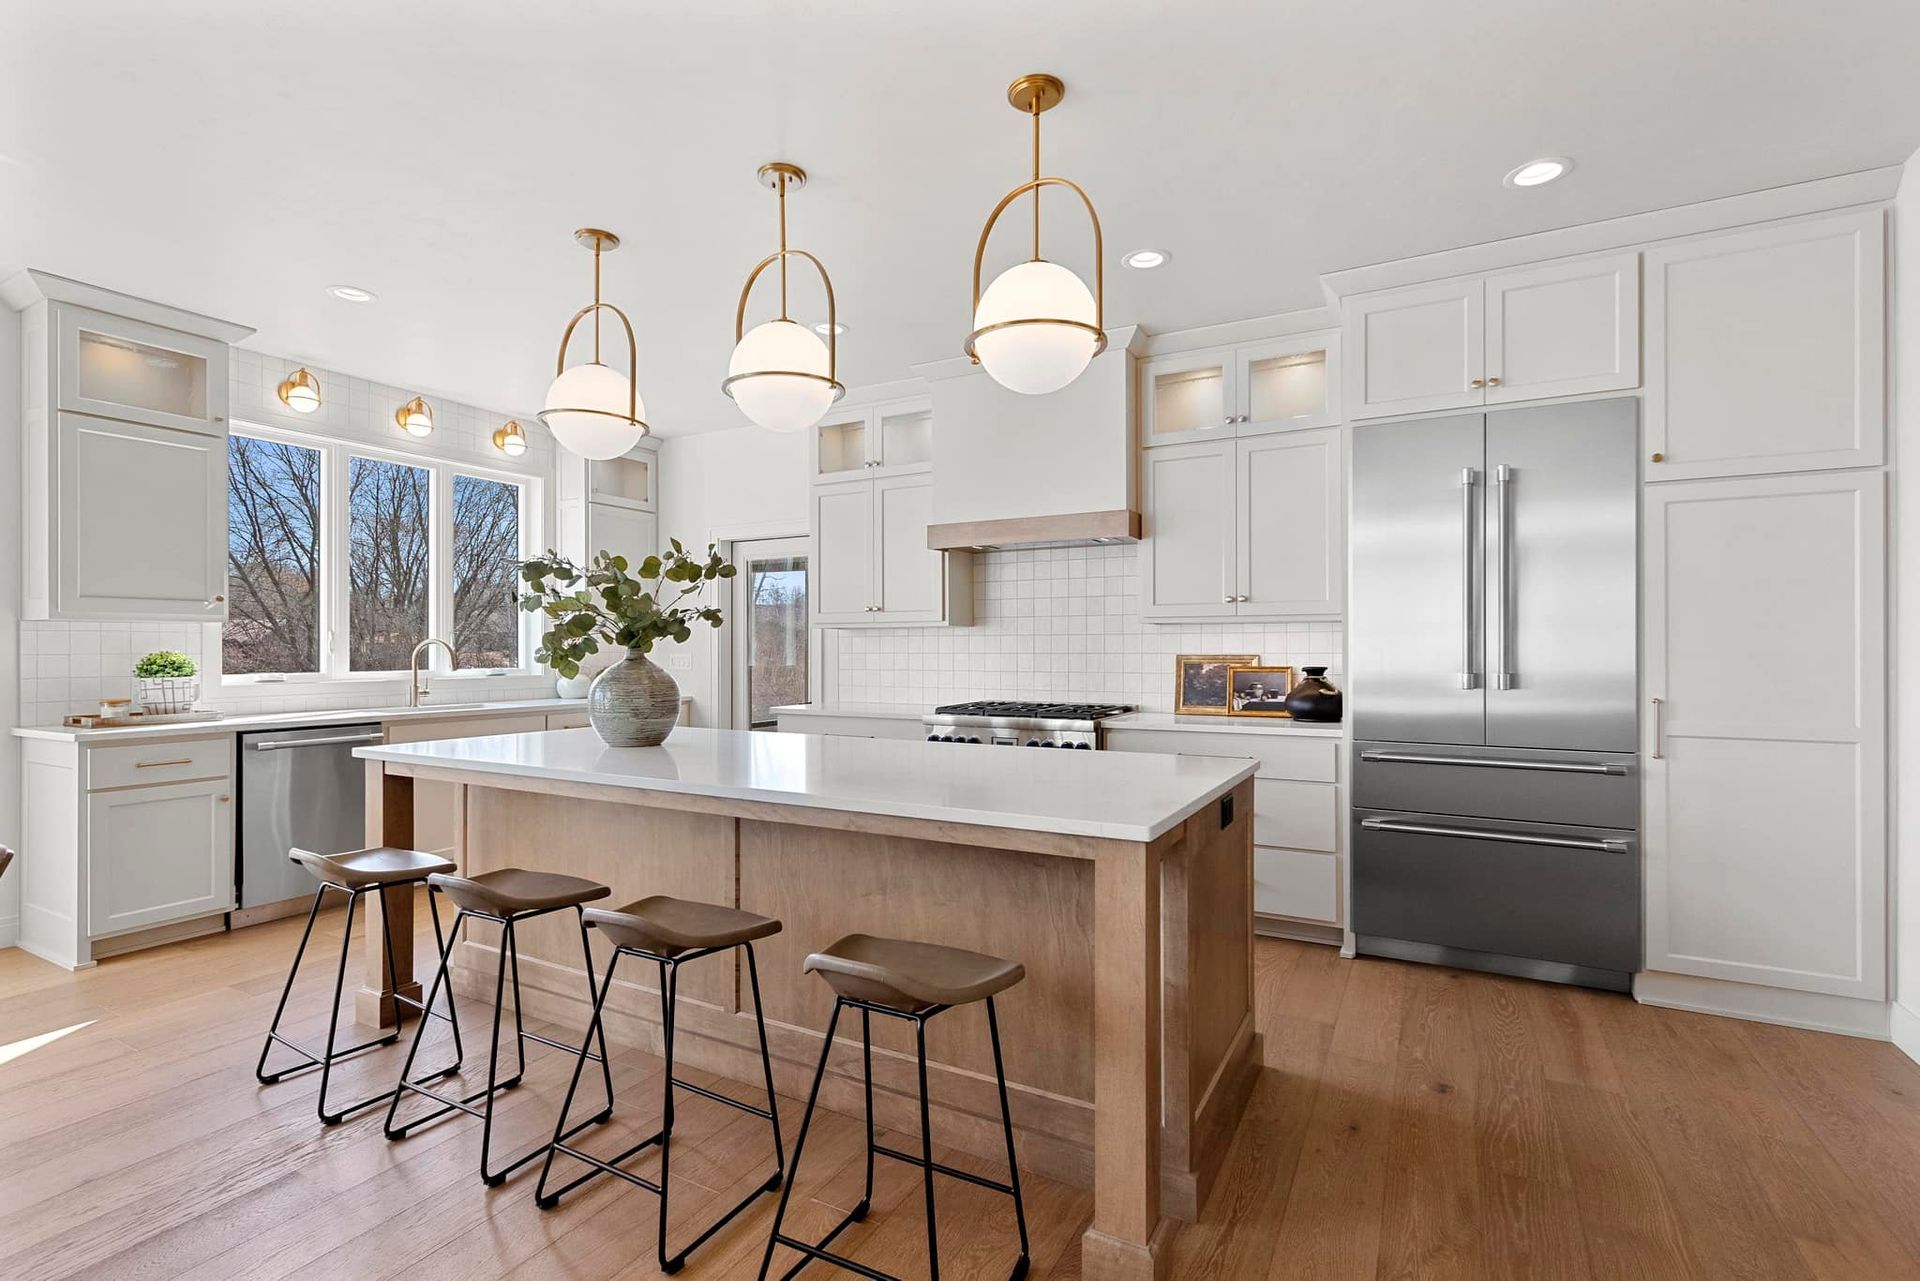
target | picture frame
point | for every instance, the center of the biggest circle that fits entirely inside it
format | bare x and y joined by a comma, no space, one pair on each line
1255,690
1201,683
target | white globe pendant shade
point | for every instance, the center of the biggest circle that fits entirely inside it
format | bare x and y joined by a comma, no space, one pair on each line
768,376
1034,359
587,411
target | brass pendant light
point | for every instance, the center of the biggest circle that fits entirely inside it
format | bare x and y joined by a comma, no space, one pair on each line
300,391
1036,328
781,375
594,410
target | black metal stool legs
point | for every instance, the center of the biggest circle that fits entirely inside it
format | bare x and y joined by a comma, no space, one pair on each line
509,958
333,1053
669,969
929,1166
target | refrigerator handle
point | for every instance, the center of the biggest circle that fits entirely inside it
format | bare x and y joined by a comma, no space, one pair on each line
1503,674
1469,677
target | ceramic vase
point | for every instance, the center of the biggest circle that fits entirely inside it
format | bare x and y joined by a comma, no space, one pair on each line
633,703
1312,698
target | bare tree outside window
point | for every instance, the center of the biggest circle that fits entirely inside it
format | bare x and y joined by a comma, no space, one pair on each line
388,515
777,633
273,558
486,553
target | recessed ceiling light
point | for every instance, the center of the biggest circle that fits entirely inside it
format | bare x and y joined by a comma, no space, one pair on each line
823,329
1147,259
350,293
1537,173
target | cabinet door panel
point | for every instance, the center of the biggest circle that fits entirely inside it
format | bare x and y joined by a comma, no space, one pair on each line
623,531
1414,350
1289,383
142,525
1187,397
1292,527
1766,350
1766,833
158,854
1187,562
130,370
908,571
1563,329
843,553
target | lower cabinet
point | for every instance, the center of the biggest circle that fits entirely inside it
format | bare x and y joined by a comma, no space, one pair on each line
158,854
1765,822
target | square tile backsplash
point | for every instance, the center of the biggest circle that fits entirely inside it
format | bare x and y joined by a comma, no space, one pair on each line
1062,623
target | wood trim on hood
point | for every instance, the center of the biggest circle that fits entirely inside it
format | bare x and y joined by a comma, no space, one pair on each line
1117,526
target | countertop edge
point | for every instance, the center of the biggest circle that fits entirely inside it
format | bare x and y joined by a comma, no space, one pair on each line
288,720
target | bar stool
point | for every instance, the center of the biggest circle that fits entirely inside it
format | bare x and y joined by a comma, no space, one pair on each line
671,932
507,896
354,873
911,981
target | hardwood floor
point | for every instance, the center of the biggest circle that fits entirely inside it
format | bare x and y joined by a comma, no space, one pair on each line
1411,1122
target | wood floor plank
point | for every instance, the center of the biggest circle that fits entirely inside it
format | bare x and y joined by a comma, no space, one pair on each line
1329,1225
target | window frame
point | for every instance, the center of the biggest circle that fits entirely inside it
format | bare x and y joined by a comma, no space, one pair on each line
335,589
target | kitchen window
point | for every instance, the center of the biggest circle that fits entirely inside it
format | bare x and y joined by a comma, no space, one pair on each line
342,558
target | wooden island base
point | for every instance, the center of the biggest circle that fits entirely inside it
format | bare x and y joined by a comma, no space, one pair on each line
1117,938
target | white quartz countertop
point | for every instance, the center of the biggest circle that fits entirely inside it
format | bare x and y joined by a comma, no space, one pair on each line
887,711
1280,725
1122,796
292,720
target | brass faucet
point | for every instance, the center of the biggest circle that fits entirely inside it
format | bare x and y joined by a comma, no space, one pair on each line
413,666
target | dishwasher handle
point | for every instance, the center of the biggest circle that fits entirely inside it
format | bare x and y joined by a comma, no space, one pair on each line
1604,845
279,744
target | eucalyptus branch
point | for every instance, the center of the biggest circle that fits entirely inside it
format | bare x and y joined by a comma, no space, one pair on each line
602,603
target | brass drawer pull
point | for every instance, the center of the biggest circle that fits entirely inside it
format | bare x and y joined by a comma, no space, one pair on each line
184,760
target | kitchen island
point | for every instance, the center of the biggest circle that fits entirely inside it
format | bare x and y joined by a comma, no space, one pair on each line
1122,882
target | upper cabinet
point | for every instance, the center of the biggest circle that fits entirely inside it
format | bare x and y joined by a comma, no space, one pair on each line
1280,385
125,466
1561,329
631,480
871,563
609,505
890,439
1766,350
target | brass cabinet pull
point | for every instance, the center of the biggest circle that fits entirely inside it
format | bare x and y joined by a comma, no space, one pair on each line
1659,458
1478,382
184,760
1493,382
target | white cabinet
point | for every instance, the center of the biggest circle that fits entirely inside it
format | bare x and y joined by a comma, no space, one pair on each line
631,480
894,438
1557,329
158,854
1245,528
1766,350
140,521
1764,637
1277,385
871,563
125,466
609,505
623,531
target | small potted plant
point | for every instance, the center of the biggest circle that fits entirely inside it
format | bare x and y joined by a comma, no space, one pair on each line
632,703
169,682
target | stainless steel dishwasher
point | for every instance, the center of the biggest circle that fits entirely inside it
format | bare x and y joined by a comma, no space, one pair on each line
297,787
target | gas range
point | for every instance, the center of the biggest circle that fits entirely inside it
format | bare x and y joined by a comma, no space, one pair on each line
1017,724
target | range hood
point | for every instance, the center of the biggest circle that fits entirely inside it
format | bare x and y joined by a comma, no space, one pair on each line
1035,471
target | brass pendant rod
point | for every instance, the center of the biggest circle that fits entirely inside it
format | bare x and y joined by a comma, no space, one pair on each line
783,247
1036,179
596,300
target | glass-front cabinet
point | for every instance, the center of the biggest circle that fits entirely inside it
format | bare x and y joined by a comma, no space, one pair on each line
893,438
115,367
626,481
1283,384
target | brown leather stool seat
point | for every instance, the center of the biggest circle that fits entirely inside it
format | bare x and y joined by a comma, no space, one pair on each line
909,976
381,865
512,890
671,926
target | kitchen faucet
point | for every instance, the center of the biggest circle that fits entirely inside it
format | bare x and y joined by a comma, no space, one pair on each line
413,666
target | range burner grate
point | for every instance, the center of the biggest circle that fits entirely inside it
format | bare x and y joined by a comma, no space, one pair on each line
1035,711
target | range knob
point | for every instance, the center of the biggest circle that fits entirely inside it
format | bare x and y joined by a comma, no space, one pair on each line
1033,742
1085,747
973,740
933,738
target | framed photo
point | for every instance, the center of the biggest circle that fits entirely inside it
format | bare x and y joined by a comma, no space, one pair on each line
1200,685
1258,691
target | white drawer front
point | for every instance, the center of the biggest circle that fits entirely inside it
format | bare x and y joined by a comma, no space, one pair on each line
1297,884
1311,760
138,764
1300,816
567,720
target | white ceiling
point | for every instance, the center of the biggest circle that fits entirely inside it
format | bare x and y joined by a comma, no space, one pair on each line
237,156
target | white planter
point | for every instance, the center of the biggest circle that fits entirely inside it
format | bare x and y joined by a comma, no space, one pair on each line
164,695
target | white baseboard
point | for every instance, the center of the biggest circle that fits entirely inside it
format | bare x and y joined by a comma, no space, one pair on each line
9,931
1818,1011
1906,1031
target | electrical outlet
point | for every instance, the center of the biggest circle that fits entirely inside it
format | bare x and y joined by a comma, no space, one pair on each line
679,660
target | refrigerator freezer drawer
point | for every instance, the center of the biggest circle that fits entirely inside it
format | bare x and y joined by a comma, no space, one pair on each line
1585,789
1548,892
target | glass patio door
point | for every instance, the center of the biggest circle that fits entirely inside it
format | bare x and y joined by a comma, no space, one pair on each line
769,620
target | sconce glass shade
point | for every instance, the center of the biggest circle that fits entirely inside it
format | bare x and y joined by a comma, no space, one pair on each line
415,417
587,411
1047,330
300,392
511,440
779,376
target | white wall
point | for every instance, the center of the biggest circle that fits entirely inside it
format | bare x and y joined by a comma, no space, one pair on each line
10,507
726,485
1906,590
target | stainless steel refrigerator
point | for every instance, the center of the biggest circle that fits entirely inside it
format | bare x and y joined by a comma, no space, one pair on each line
1492,690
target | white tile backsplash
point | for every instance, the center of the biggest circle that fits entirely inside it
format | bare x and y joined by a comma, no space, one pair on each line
1062,623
